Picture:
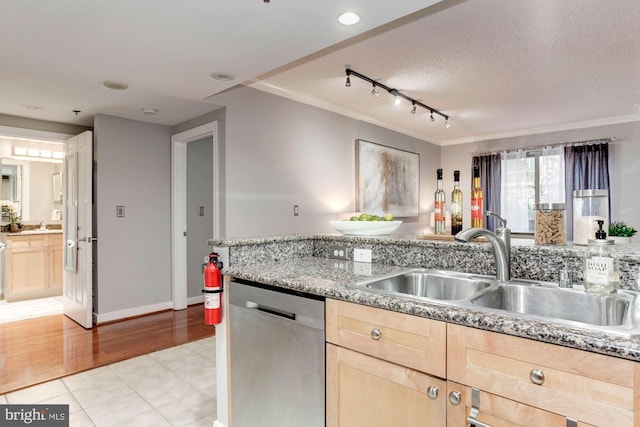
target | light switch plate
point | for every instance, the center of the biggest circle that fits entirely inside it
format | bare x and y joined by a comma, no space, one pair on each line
362,255
120,211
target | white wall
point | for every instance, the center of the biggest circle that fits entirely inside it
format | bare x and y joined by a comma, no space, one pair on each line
133,169
280,153
624,153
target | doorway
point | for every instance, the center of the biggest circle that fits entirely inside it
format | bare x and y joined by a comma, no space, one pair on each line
180,238
30,163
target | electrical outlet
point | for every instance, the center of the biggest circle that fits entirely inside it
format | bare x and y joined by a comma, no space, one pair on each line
362,255
338,252
362,268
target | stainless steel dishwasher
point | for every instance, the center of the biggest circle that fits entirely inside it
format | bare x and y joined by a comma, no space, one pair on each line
277,357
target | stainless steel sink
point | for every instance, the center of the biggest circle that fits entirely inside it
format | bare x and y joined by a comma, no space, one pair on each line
557,303
618,313
430,284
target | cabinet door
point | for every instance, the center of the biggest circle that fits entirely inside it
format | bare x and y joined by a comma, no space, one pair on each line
27,266
411,341
56,262
363,391
497,411
584,386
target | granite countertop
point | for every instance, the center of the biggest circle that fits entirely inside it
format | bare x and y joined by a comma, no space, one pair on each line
33,232
328,277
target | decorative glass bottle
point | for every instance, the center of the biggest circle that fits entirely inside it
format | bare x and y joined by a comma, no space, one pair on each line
476,200
456,205
439,206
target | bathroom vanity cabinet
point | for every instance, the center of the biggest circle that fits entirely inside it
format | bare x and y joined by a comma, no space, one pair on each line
33,266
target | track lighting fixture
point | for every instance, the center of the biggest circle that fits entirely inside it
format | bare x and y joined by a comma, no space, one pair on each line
397,95
374,92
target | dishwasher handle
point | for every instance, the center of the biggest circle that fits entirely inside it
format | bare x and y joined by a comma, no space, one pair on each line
270,310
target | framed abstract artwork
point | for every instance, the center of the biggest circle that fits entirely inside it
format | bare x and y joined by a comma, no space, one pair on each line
387,180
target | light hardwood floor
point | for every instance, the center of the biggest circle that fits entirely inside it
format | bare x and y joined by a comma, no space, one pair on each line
37,350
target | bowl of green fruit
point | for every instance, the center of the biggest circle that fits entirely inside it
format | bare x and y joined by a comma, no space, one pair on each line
366,224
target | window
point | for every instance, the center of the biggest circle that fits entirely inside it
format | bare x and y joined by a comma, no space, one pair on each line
528,178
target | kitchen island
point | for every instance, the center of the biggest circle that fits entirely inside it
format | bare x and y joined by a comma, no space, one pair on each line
303,263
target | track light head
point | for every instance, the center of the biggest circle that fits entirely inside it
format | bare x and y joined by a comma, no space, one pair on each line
374,92
431,119
446,122
413,110
348,83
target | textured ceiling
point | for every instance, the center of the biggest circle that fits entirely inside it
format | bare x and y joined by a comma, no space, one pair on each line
54,55
496,67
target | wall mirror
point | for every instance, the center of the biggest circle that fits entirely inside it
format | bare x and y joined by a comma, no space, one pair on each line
11,187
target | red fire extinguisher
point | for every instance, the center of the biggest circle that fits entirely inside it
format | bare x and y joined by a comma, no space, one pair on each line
213,291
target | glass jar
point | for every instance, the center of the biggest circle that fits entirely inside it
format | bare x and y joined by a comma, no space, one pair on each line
550,224
589,206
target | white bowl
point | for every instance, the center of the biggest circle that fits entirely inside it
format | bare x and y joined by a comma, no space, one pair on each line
366,228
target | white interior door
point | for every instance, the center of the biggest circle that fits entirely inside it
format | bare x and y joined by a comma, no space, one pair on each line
77,295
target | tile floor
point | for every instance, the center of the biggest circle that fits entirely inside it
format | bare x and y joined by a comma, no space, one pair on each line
172,387
21,310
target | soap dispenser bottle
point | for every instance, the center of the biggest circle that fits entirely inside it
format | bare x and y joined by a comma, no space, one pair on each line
601,270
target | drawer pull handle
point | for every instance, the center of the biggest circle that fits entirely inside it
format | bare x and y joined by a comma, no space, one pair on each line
536,376
432,392
475,423
376,334
472,419
455,398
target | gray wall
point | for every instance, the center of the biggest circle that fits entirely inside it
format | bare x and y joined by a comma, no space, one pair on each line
133,169
624,154
199,193
280,153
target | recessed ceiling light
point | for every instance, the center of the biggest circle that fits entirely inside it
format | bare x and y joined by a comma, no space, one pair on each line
149,111
349,18
225,77
115,84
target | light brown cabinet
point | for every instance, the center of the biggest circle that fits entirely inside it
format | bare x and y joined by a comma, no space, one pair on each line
381,367
387,368
539,378
33,266
494,410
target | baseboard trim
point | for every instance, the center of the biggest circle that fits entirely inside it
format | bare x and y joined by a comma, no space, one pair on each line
195,300
131,312
217,423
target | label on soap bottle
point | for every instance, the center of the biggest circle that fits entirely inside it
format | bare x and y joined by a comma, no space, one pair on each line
598,270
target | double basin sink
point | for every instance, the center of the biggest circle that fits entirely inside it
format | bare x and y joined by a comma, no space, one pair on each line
617,313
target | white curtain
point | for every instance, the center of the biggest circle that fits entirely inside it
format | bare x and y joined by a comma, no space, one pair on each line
516,190
552,186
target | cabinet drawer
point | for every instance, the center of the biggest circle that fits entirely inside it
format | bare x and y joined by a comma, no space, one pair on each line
18,242
498,411
410,341
589,387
